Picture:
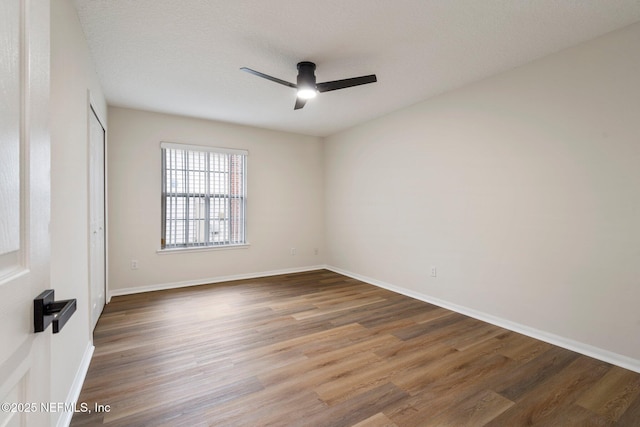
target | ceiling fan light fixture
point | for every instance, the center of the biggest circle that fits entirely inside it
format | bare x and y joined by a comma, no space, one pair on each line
307,93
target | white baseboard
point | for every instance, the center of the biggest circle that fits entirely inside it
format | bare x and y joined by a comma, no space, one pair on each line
209,280
76,386
579,347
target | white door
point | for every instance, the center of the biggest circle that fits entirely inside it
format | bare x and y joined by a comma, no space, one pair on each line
25,369
97,268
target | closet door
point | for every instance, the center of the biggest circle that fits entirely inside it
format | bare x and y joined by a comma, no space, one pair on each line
97,255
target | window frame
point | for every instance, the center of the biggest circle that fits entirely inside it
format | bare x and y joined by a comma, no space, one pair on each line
206,198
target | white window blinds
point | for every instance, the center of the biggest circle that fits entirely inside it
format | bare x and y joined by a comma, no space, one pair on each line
203,196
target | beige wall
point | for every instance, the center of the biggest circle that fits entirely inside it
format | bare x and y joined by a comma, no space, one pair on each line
522,189
284,201
72,75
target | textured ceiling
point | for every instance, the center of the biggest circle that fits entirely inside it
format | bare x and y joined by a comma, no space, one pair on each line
183,57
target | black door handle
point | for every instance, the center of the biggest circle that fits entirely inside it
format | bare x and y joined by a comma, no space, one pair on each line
47,311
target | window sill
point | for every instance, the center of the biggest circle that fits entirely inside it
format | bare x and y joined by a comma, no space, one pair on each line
201,249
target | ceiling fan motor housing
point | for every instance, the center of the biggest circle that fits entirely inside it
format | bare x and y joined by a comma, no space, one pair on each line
306,75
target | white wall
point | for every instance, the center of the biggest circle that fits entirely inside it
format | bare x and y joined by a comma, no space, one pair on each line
284,201
522,189
72,74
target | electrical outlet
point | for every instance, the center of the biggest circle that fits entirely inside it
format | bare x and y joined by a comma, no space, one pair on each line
434,272
134,264
293,251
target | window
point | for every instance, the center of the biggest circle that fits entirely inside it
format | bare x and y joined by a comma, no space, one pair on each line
203,196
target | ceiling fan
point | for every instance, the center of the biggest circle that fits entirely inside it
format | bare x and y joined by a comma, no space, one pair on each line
306,83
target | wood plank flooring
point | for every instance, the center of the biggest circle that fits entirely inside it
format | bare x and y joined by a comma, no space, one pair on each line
321,349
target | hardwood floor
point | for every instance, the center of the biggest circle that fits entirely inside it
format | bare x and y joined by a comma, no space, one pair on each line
321,349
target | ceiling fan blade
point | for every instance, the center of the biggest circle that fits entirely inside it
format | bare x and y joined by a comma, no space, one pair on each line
299,103
341,84
265,76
